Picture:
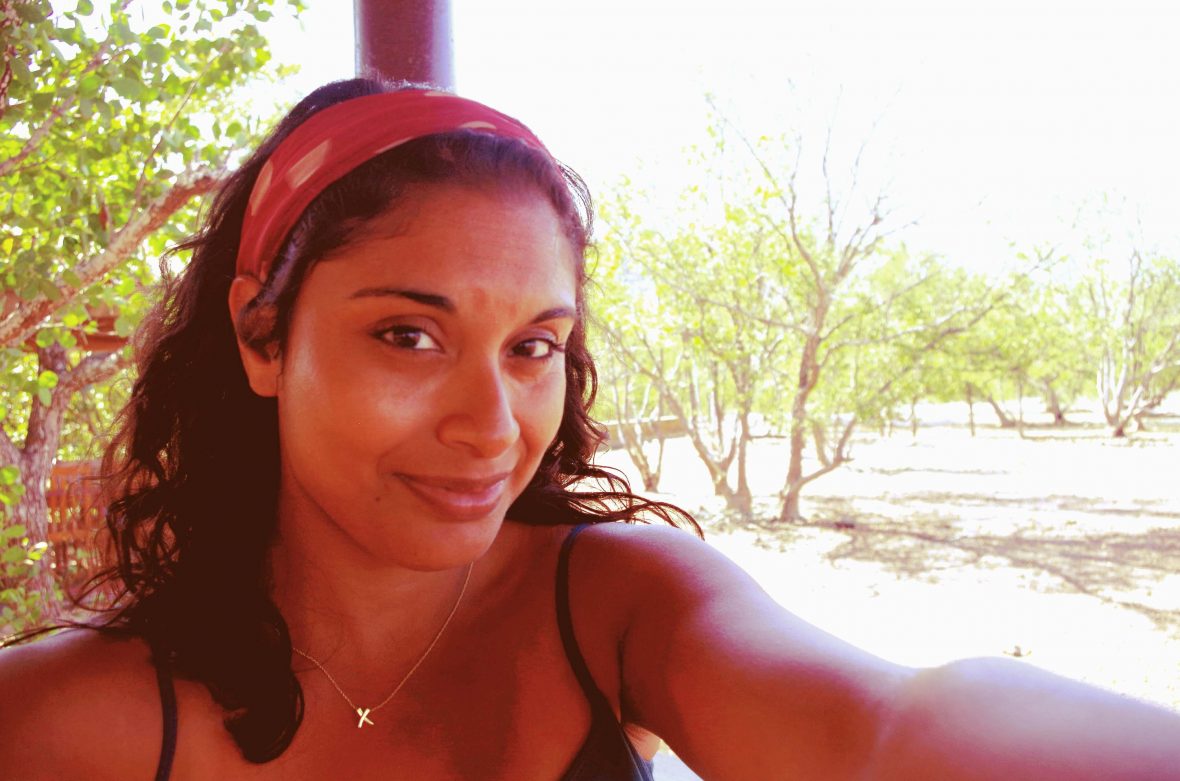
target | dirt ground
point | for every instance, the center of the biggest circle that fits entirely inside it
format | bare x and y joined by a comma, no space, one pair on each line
1061,548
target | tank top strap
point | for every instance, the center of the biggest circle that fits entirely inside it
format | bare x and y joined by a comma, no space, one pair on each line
565,625
168,705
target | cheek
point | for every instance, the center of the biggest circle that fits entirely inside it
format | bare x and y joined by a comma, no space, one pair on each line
546,407
333,400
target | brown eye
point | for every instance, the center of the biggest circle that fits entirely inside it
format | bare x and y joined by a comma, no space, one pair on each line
537,349
408,338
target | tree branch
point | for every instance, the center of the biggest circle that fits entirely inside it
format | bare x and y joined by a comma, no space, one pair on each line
23,321
838,457
38,136
93,369
139,185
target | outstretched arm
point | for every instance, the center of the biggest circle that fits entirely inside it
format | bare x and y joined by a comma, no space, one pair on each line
742,689
1001,719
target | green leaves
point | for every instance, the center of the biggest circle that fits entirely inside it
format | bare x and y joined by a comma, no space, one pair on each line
130,88
22,603
47,380
33,11
100,120
104,110
13,555
11,490
91,109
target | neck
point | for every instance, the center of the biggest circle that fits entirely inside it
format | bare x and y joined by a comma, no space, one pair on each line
358,612
359,615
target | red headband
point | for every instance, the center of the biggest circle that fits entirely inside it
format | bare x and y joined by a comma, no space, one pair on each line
336,140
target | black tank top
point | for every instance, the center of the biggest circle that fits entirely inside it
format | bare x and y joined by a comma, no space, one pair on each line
607,754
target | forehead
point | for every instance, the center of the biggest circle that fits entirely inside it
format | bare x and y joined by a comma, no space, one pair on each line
466,242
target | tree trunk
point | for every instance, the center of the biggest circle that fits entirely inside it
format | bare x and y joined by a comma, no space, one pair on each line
635,434
790,508
36,463
914,418
661,438
1006,420
1053,402
1020,406
743,498
971,408
718,468
633,441
32,512
808,374
790,511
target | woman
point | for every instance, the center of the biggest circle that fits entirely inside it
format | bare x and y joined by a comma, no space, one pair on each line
346,533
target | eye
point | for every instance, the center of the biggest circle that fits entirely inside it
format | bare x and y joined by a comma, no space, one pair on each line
408,337
537,349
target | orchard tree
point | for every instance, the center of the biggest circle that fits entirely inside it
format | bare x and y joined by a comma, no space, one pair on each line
1133,318
1027,342
630,401
683,319
110,130
885,359
1002,356
1061,369
865,312
778,311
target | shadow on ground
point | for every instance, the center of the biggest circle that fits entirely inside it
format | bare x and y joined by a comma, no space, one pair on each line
1114,567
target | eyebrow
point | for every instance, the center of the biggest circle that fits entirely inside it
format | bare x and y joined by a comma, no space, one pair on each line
428,299
445,304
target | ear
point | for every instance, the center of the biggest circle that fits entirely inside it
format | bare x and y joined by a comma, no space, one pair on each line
263,369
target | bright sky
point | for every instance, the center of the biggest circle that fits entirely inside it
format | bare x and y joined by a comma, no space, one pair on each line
990,122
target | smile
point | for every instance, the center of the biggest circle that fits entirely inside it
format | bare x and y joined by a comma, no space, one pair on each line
461,499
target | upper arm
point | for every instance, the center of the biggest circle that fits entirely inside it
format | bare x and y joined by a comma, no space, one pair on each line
78,705
737,685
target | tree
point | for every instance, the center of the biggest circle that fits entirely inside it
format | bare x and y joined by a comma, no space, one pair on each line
1061,368
109,132
676,313
778,313
630,401
863,312
1133,317
1026,343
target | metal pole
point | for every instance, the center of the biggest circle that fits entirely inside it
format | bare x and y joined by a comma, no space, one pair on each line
405,39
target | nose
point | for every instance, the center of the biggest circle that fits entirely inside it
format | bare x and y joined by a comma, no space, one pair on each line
481,419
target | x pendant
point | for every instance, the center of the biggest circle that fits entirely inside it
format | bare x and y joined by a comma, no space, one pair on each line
364,714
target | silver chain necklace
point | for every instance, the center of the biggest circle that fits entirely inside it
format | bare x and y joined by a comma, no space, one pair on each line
364,713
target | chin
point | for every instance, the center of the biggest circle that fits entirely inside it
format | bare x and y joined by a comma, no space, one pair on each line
446,545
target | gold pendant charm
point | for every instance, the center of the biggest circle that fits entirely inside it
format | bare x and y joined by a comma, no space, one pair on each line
364,714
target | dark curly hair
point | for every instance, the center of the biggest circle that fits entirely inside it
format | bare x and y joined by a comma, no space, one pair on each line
192,474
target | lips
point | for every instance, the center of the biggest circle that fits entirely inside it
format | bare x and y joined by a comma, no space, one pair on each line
460,499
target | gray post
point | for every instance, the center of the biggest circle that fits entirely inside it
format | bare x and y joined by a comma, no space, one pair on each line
405,39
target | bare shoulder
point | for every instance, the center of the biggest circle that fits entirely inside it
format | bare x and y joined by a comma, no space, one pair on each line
630,562
658,562
700,642
73,698
639,539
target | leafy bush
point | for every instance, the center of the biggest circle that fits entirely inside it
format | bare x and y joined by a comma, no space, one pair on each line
20,602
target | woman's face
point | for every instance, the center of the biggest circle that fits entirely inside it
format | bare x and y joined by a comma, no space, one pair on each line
423,377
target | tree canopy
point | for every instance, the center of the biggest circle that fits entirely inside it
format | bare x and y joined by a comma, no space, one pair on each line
768,309
111,127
